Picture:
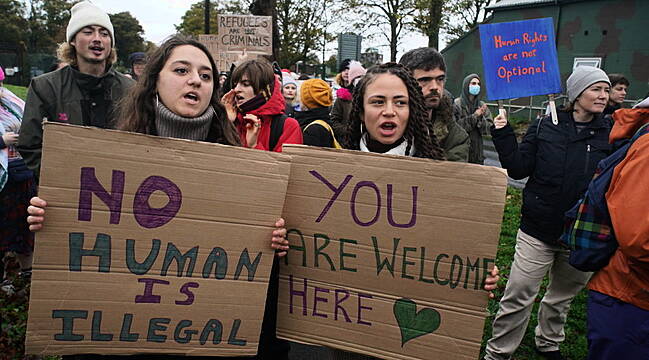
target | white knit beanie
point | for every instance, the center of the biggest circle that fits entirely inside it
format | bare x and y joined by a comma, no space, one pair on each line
583,77
85,14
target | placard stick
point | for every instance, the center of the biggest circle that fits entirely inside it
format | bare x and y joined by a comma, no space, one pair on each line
553,110
501,108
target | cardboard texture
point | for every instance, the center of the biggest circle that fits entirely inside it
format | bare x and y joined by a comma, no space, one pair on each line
388,254
223,59
105,277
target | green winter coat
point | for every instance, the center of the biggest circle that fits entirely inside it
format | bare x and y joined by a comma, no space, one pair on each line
451,137
58,96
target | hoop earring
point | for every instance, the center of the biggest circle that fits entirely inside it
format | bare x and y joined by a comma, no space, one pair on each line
157,101
361,128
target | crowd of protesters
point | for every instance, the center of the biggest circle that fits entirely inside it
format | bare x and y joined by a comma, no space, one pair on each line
400,108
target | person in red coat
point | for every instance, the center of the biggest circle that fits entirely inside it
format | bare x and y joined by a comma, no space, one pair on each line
255,102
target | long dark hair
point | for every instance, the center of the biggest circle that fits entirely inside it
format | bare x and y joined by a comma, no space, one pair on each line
417,131
137,110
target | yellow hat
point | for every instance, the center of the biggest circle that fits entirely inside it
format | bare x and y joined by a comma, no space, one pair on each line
315,93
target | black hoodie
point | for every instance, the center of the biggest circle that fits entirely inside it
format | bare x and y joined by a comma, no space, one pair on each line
315,135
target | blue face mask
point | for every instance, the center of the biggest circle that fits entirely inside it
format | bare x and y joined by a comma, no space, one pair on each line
474,89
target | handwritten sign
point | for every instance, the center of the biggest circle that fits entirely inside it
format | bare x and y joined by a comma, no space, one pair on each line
246,32
152,245
223,58
520,59
388,254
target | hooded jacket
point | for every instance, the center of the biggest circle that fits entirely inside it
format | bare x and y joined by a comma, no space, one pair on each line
626,277
560,162
315,135
66,95
475,126
273,107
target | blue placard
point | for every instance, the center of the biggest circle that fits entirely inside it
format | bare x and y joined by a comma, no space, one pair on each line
520,59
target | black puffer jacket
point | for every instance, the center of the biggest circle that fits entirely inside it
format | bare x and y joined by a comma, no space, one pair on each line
559,161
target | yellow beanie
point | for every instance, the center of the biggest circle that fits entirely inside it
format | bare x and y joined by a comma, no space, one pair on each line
315,93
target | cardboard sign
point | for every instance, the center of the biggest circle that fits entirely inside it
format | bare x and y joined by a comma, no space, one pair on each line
237,33
223,59
520,59
388,254
152,245
246,32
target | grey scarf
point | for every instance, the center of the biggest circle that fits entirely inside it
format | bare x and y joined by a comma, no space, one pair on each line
169,124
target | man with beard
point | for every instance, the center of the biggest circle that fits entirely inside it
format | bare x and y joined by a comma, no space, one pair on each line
82,93
428,68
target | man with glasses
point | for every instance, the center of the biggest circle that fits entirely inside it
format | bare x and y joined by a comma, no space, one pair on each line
428,68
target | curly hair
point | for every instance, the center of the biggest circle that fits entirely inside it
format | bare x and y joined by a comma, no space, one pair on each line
137,110
417,131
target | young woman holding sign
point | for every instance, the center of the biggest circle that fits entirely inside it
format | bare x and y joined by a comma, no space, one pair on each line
389,116
560,161
177,97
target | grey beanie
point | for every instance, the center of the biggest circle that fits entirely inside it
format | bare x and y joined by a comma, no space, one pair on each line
583,77
85,14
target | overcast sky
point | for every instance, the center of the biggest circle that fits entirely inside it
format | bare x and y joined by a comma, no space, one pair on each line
159,17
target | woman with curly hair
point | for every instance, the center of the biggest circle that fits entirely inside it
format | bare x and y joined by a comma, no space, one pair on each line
389,115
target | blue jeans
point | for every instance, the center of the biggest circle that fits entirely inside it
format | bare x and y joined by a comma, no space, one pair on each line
616,329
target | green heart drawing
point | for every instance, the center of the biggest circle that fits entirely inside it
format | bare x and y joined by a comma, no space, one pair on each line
412,323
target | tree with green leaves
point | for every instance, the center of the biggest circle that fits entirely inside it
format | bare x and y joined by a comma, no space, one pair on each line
193,22
12,22
454,17
464,15
302,26
128,37
46,23
429,18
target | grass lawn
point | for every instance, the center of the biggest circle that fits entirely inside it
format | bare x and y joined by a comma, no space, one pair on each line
20,91
13,311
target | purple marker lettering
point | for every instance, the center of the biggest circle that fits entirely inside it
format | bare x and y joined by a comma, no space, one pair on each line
296,293
338,306
413,214
190,295
361,307
149,217
352,203
336,190
90,185
317,299
148,296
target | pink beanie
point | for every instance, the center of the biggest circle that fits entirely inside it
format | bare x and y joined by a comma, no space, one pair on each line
2,74
355,70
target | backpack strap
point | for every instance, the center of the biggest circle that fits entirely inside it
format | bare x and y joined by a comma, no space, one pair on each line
641,131
326,125
276,130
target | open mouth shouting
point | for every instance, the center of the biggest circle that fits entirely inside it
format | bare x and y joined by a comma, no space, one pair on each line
192,98
97,50
388,128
